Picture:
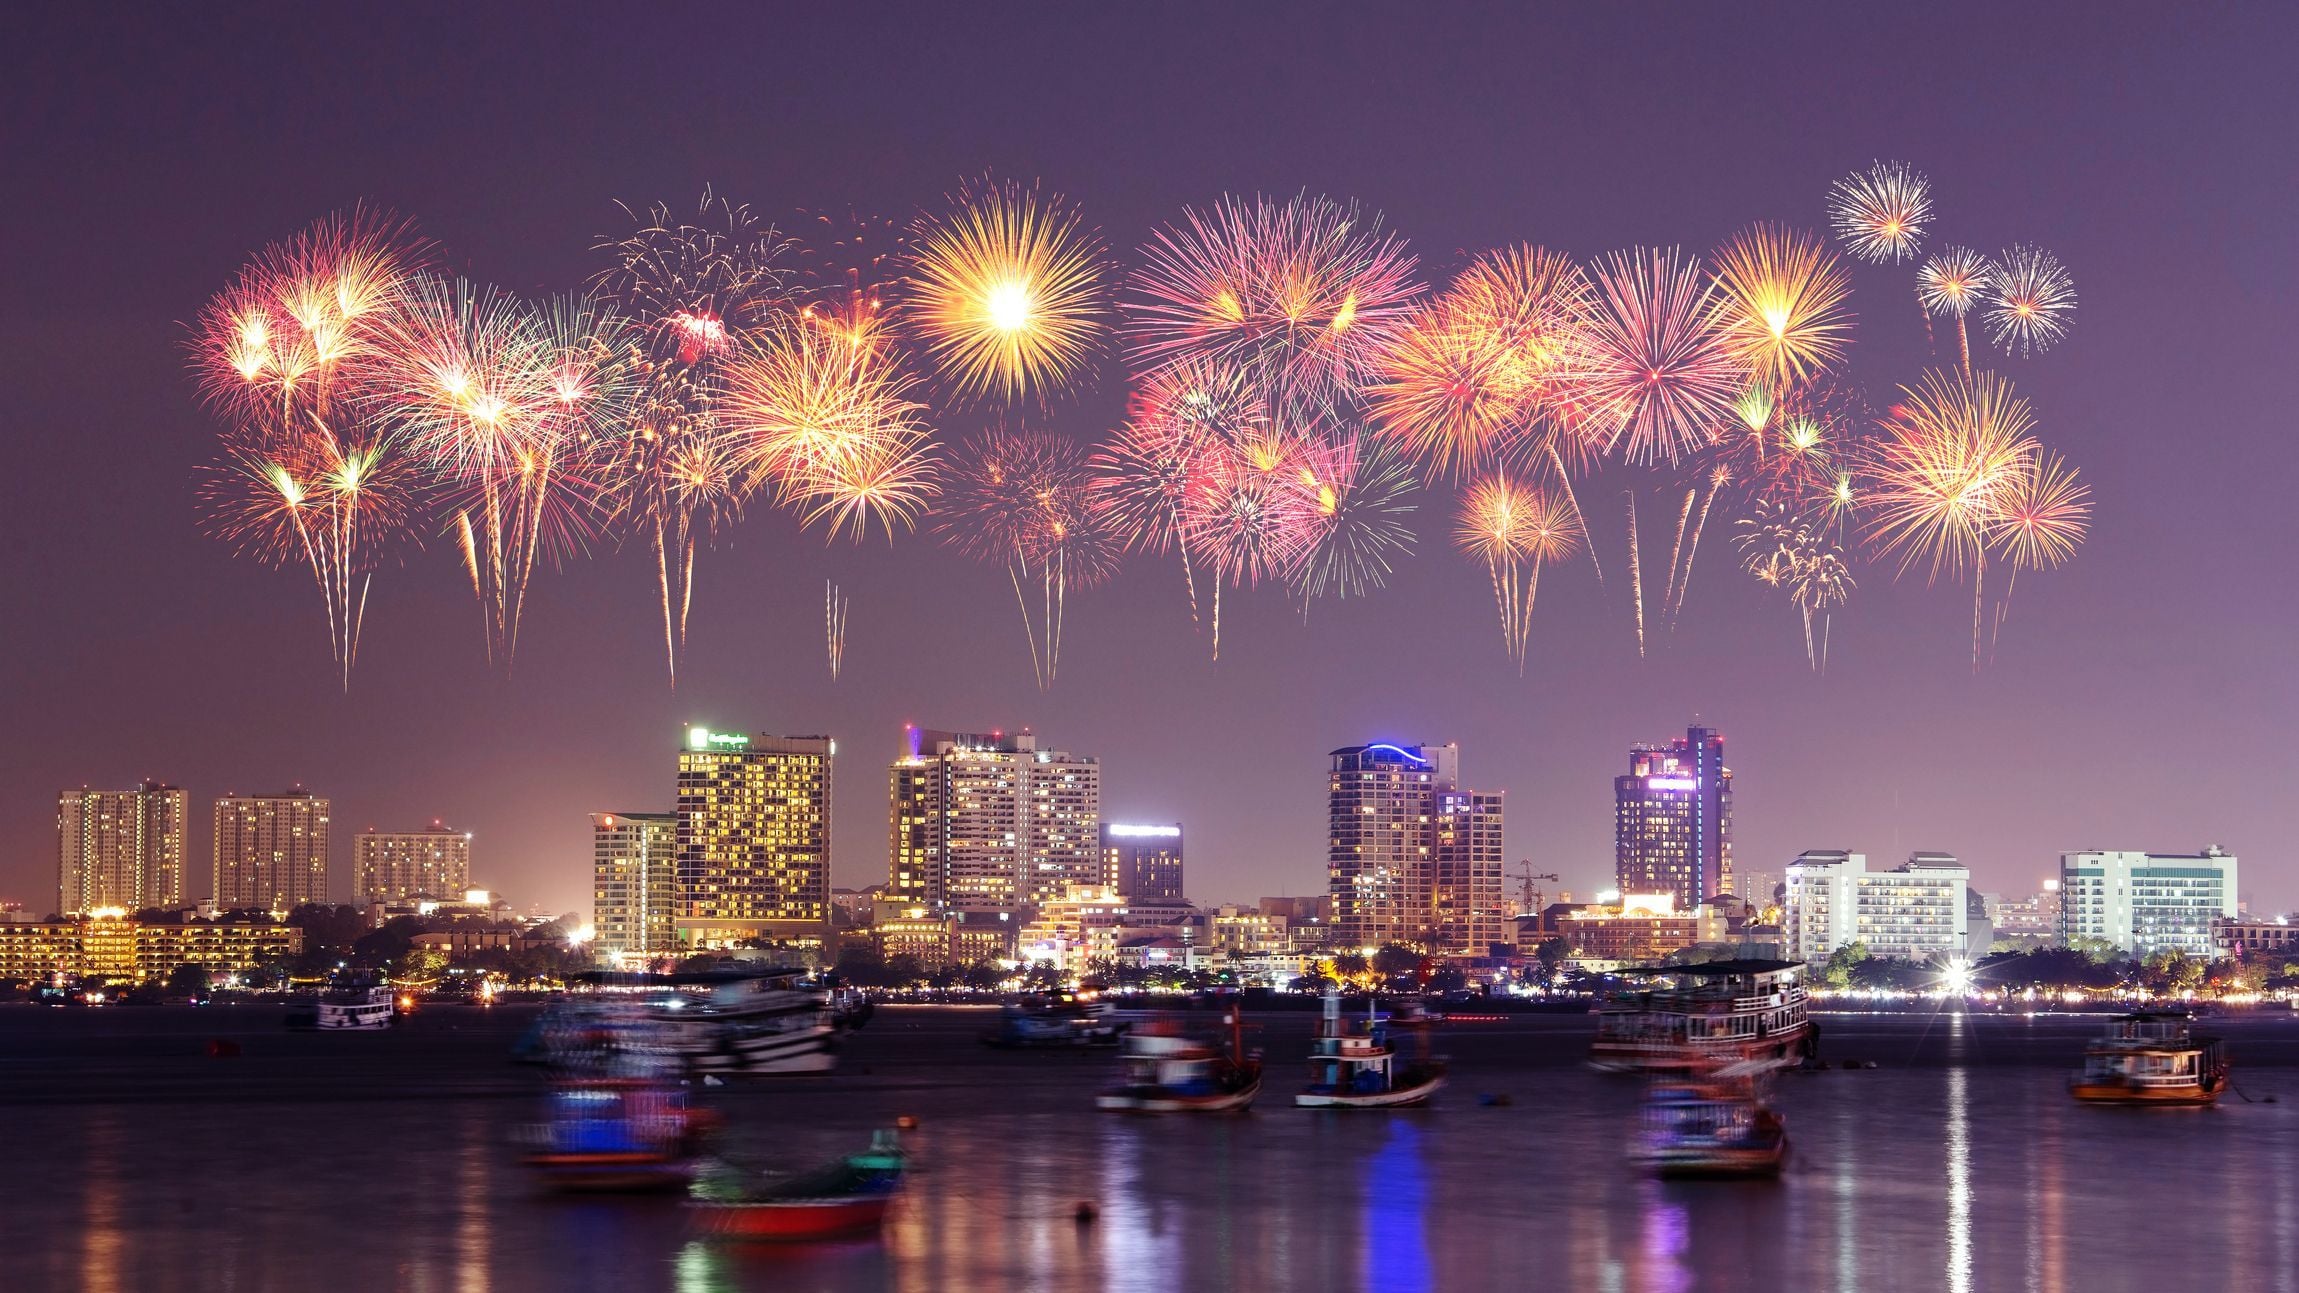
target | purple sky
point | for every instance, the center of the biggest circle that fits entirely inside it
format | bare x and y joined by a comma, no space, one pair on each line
2129,705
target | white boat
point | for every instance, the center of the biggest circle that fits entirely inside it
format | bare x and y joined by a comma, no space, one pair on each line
748,1025
1162,1071
354,1010
1701,1017
1351,1065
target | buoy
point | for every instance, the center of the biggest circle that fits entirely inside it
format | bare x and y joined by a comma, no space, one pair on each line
906,1123
1086,1212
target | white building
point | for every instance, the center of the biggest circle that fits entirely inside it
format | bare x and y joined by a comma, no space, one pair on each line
1915,911
2146,902
991,822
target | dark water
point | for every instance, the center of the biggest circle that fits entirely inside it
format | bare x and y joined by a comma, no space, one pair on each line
136,1164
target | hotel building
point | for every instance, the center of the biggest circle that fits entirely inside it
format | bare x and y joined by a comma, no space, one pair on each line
123,947
990,823
2146,903
1143,862
394,866
271,851
1672,819
753,839
1411,856
120,849
1916,911
635,883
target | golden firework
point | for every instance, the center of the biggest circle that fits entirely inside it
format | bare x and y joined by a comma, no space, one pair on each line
1007,292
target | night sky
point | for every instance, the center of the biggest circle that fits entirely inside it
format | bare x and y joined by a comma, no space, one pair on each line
2139,698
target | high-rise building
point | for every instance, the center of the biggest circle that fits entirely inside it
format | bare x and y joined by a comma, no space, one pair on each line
990,823
1672,819
393,866
1916,911
271,851
1412,857
635,883
753,838
120,848
2146,903
1143,862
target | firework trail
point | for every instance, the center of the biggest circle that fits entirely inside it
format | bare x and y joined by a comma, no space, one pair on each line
1792,553
1027,501
1006,292
1881,214
1176,418
2039,520
2029,299
692,288
1951,283
282,353
1246,514
834,625
1515,530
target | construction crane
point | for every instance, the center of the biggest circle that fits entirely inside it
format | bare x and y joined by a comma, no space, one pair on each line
1529,893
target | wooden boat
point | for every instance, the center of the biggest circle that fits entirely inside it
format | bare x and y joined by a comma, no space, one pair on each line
612,1135
1162,1071
1055,1021
1698,1017
846,1200
1351,1064
1715,1128
2152,1058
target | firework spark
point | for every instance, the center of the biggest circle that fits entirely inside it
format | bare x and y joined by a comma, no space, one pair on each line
1780,295
827,422
834,625
1007,293
1657,371
1786,551
1357,490
1881,214
1514,530
2029,299
1951,283
1027,501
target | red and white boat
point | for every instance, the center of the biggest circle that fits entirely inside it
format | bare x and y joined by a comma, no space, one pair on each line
1163,1071
1694,1017
1351,1064
847,1200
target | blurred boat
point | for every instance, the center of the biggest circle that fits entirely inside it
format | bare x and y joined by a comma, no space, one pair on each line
352,1008
1351,1063
1696,1017
845,1200
1056,1021
619,1134
1163,1071
716,1024
2152,1057
1713,1126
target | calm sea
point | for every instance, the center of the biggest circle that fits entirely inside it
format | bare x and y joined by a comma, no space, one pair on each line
135,1163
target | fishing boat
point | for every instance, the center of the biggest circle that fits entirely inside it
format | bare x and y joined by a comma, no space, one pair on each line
609,1134
1695,1017
1351,1064
1055,1021
845,1200
2152,1057
1163,1071
741,1024
1710,1127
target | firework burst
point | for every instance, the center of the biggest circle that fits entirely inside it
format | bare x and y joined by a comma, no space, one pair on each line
1514,530
1657,372
2029,299
827,422
1027,500
1780,300
1881,214
1784,550
1006,292
1357,491
1950,284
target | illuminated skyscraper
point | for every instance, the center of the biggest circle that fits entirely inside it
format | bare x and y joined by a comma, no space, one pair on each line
271,851
396,865
990,823
753,838
1412,857
1672,819
635,883
120,848
1143,863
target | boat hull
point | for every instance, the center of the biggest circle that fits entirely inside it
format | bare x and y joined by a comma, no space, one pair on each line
793,1220
1679,1057
612,1173
2158,1096
1718,1164
1401,1098
1150,1101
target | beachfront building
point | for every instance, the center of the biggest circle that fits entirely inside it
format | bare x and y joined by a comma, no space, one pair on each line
2146,903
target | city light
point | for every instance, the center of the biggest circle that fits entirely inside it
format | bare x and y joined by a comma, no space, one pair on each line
1672,783
1124,831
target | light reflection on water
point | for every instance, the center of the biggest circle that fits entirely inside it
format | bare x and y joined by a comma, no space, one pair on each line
1975,1178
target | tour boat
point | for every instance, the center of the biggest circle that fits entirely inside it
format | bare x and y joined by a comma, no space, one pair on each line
353,1009
1710,1015
843,1201
1055,1021
1162,1071
750,1024
2151,1058
1710,1128
1350,1065
619,1135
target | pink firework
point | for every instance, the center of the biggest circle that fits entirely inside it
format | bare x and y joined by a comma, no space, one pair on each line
1657,370
1027,500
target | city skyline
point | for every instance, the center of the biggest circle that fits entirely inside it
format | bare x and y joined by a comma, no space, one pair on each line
217,675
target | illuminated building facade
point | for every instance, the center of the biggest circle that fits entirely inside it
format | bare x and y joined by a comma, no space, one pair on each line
271,851
124,948
1636,928
1916,911
1672,819
635,883
120,848
2036,916
394,866
753,839
990,823
1412,857
2146,903
1143,861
